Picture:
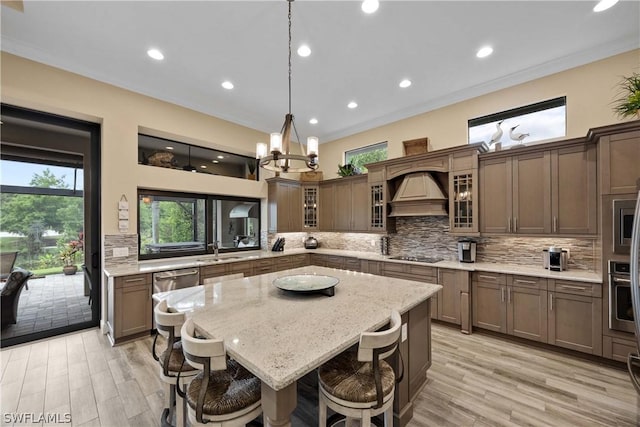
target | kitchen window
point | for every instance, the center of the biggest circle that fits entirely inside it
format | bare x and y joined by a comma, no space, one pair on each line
181,224
369,154
541,121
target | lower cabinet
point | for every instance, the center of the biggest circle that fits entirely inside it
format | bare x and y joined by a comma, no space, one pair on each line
558,312
371,267
129,306
575,316
453,301
617,348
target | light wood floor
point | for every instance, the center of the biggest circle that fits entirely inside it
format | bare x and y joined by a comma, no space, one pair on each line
475,380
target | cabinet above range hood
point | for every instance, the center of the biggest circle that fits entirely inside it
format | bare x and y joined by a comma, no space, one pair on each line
419,195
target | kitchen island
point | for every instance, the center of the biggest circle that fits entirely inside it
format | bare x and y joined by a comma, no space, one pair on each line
280,336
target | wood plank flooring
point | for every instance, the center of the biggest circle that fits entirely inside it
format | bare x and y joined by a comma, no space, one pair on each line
476,380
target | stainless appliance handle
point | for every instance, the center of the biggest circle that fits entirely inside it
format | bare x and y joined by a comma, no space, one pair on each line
635,291
620,279
173,276
635,259
572,288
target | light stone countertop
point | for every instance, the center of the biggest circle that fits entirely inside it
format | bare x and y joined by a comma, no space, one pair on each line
197,261
281,336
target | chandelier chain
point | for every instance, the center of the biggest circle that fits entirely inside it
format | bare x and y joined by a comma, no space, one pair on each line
290,1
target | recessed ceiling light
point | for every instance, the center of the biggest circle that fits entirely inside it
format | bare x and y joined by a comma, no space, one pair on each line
405,83
220,157
304,50
604,5
370,6
215,161
313,121
168,148
155,54
203,167
227,85
484,52
352,104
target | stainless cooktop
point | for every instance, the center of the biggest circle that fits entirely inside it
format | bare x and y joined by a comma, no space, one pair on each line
425,259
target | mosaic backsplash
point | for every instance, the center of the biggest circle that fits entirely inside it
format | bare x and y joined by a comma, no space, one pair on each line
129,241
429,236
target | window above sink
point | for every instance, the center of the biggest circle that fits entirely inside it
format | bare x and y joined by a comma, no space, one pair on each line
183,224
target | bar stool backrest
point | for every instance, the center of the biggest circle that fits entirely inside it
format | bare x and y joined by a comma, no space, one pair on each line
382,343
167,320
201,352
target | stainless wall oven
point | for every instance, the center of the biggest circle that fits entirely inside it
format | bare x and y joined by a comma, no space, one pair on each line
623,212
621,316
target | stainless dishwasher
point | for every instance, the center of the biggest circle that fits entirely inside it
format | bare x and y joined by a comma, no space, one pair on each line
164,281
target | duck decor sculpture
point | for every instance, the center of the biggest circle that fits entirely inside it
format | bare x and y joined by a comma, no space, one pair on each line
516,136
497,136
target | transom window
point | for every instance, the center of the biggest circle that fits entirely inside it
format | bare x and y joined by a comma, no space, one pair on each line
369,154
532,123
180,224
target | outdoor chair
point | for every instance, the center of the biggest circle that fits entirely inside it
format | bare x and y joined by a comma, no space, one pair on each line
10,296
7,261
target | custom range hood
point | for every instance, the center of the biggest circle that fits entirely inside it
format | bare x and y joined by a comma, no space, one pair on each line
419,195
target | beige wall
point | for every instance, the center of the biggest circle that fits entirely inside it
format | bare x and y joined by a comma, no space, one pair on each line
122,114
589,89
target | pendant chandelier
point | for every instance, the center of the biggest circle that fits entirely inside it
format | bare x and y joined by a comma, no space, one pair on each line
280,158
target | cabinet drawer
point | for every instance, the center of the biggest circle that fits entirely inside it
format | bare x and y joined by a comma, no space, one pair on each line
262,270
495,278
426,273
213,271
411,272
528,282
261,263
133,280
576,288
299,260
241,267
352,264
334,261
283,262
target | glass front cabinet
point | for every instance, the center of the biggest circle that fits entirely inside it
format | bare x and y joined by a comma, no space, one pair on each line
378,200
463,202
310,206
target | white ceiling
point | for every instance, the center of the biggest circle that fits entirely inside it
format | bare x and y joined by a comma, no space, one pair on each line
354,56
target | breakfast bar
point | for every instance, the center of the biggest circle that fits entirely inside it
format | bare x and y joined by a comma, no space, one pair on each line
282,335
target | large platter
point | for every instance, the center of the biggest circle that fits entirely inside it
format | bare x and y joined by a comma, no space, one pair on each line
307,283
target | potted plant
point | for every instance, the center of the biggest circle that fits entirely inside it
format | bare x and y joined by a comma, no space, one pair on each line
68,256
628,103
348,170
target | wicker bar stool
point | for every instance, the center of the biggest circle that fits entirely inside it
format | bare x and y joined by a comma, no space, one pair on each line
361,385
172,363
224,393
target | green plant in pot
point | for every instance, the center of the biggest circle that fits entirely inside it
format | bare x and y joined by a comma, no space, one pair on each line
68,255
348,170
628,103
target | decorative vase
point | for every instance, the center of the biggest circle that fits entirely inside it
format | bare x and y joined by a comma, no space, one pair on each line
69,270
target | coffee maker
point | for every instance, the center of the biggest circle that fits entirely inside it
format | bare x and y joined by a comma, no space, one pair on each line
467,250
555,259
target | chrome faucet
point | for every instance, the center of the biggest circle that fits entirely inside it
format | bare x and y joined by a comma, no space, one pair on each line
215,247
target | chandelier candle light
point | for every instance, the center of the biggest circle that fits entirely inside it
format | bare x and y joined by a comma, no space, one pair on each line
281,159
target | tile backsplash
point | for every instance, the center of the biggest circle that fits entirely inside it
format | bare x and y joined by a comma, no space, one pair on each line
429,236
117,241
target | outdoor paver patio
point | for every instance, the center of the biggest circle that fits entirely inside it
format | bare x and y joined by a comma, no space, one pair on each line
50,302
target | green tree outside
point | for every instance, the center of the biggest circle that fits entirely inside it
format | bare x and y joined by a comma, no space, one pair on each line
361,159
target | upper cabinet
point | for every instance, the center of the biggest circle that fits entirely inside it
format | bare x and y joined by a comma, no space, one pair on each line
463,194
285,205
378,193
620,160
310,199
534,191
343,204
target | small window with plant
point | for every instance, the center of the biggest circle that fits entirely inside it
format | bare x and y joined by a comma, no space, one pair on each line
359,157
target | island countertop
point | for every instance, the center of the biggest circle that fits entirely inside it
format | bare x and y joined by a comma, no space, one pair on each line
280,336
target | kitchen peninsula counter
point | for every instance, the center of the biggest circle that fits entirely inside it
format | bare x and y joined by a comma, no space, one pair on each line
281,336
204,260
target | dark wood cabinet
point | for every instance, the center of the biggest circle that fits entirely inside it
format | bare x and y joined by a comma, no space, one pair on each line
540,192
284,205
